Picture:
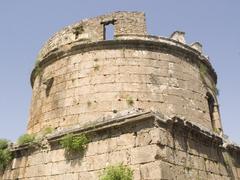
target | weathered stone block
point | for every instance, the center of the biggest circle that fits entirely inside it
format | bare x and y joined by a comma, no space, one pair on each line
58,155
73,176
143,139
181,158
143,154
99,161
93,175
60,167
125,141
119,157
151,170
167,171
161,136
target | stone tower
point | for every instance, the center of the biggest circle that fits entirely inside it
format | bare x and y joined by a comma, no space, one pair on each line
82,76
148,102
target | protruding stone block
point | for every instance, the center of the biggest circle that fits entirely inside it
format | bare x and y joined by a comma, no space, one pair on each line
143,154
178,36
197,46
151,170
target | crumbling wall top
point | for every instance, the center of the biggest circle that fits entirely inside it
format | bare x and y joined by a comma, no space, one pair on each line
93,29
129,27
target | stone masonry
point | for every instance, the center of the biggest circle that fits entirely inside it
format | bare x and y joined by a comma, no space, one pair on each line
145,101
83,79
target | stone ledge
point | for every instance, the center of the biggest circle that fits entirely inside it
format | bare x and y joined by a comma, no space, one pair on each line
155,119
104,124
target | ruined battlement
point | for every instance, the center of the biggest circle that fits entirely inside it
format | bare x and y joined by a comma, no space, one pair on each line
93,30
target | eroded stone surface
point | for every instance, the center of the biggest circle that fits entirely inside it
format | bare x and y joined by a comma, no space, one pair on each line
79,81
114,90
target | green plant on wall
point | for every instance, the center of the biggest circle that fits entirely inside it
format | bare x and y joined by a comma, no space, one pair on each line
118,172
130,101
37,69
216,130
74,143
3,143
203,73
5,154
89,103
78,30
96,67
47,130
26,139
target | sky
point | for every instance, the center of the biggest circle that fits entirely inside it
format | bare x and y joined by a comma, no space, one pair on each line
27,24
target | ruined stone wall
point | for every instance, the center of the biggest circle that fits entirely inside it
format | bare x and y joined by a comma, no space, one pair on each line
153,147
97,83
91,30
78,80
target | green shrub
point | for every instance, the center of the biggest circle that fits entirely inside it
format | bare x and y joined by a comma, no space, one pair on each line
3,143
5,158
47,130
118,172
74,143
38,68
5,154
217,130
26,139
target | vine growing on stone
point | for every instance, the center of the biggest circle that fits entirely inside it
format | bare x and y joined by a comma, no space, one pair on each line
203,72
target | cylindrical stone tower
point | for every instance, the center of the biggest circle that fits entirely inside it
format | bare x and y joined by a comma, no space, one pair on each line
81,76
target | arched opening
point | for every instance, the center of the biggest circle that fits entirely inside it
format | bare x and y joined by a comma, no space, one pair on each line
211,103
214,114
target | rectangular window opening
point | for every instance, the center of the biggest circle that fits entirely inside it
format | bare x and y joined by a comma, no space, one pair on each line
109,31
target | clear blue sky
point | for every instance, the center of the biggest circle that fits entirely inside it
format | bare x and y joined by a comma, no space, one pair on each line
27,24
